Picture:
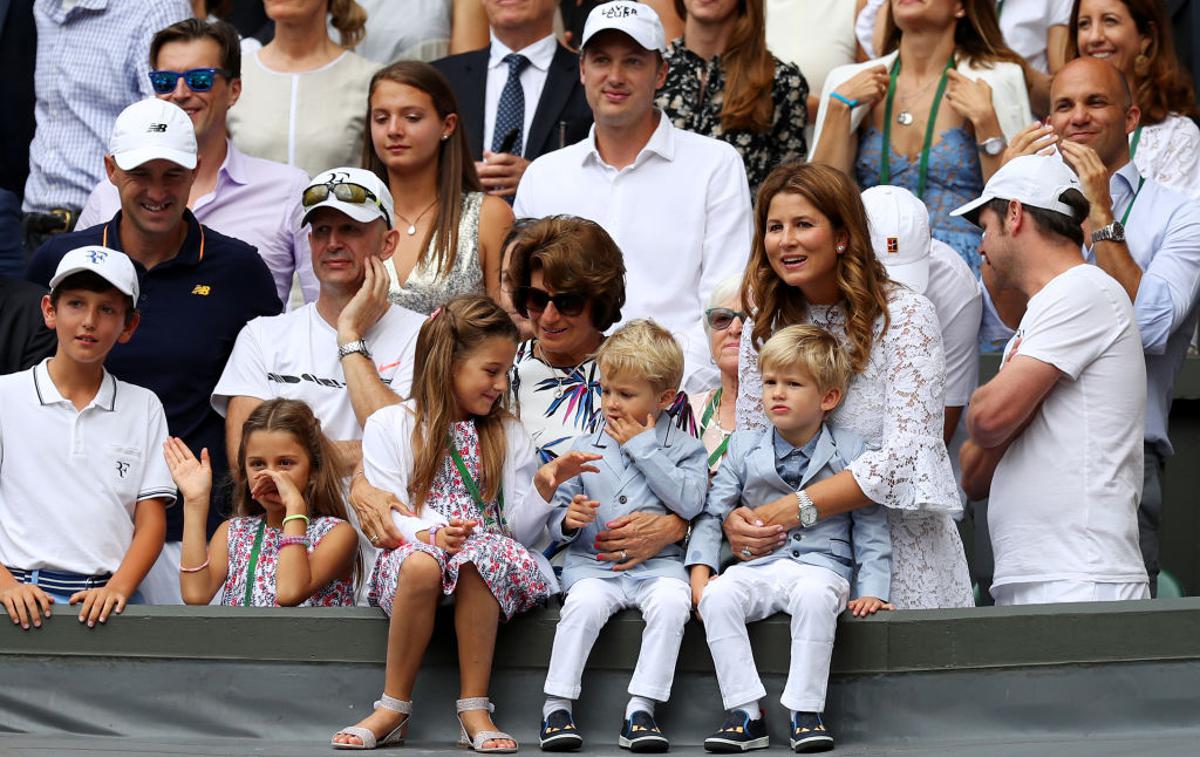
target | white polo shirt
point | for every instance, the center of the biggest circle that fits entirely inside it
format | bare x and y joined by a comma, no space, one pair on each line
680,214
1024,24
294,355
70,480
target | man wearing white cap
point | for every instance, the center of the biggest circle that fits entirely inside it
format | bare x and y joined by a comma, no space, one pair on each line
347,354
83,482
676,203
198,289
1056,435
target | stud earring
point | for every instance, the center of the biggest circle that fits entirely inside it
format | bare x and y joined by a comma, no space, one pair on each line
841,248
445,137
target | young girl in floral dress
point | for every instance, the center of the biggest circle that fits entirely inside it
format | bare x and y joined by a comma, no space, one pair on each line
289,495
469,471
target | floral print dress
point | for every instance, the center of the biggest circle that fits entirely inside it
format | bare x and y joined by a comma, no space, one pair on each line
508,569
242,534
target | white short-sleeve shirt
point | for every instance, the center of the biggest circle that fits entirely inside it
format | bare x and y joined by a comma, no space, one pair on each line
70,480
1064,498
294,355
1024,24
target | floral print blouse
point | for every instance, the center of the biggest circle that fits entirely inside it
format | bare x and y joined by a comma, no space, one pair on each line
693,105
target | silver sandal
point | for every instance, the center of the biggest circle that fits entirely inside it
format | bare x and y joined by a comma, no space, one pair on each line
481,737
369,741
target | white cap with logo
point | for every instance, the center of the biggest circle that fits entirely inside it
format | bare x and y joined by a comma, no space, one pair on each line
899,224
153,129
113,266
1034,180
377,202
638,20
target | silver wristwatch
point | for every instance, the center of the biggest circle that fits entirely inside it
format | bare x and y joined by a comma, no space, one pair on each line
1114,232
806,511
358,346
992,146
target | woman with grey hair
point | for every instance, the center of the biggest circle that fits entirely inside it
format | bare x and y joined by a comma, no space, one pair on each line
714,409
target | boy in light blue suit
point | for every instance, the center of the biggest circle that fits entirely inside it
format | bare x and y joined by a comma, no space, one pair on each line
646,465
804,372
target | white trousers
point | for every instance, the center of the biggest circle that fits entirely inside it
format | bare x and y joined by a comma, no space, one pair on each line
812,595
665,603
1047,592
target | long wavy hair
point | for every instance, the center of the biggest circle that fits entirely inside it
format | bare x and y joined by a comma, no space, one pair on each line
861,278
446,339
976,35
749,70
1161,84
456,169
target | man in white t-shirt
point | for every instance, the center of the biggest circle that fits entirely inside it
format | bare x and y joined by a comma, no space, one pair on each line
347,354
1056,435
675,202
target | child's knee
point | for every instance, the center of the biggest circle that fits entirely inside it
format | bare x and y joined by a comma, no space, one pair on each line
720,598
420,573
669,606
814,598
585,607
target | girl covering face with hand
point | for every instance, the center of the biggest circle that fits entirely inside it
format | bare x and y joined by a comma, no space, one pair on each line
289,495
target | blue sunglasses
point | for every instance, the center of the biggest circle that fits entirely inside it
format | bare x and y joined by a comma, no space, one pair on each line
197,79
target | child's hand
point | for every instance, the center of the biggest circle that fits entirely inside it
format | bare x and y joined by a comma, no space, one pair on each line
624,429
98,603
701,575
864,606
451,537
192,476
268,482
562,468
26,604
581,512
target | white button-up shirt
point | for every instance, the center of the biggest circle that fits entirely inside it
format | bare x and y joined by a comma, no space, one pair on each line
533,81
680,214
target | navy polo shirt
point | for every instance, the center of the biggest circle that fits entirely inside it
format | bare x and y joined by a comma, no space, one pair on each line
193,307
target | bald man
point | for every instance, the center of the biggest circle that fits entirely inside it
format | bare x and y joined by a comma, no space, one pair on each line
1144,235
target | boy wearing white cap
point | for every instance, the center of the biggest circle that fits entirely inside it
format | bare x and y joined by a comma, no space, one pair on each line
1056,435
83,483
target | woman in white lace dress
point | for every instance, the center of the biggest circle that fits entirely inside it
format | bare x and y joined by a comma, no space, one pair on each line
812,263
1135,36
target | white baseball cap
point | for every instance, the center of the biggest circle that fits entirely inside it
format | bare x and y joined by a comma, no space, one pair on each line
1034,180
150,130
113,266
638,20
899,224
377,205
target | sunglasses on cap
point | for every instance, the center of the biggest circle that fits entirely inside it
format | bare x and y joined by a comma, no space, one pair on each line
720,319
355,194
535,301
197,79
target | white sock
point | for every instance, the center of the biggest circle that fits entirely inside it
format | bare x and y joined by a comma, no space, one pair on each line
639,703
555,703
750,708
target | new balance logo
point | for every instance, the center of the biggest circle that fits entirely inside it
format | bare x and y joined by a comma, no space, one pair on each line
156,128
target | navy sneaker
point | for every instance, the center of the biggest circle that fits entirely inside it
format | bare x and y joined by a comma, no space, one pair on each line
559,733
738,734
641,734
809,734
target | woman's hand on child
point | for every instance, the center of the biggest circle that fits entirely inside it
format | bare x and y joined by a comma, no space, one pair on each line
26,604
746,531
98,604
864,606
374,507
624,429
633,538
580,513
274,482
451,537
192,476
563,468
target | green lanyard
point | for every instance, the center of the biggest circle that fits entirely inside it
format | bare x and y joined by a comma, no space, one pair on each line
1129,208
999,8
709,410
253,564
1137,137
473,488
885,168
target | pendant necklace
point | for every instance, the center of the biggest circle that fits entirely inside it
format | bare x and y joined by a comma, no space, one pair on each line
560,381
905,116
412,225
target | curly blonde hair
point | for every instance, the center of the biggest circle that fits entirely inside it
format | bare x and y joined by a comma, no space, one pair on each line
861,278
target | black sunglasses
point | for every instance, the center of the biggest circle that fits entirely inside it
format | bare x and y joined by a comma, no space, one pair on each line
535,301
720,319
356,194
197,79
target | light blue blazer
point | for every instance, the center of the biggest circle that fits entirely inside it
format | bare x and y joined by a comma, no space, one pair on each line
661,470
747,476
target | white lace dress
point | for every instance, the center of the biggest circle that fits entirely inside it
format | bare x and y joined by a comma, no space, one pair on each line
895,405
1169,153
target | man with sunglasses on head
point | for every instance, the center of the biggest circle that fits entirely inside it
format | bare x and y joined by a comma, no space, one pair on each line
347,354
197,65
91,63
198,289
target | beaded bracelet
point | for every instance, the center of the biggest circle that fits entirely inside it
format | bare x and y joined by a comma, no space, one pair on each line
288,541
297,517
851,104
196,569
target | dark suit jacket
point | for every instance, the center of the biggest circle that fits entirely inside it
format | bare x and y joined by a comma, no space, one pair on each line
562,116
